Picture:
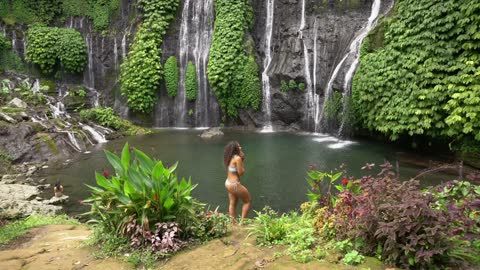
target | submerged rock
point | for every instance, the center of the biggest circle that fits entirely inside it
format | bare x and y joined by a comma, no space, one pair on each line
211,132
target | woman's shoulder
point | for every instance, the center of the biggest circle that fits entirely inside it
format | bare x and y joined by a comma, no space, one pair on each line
236,158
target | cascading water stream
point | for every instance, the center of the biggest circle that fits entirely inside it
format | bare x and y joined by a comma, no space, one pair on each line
124,45
89,75
203,29
115,53
97,136
14,41
354,50
266,65
181,99
302,21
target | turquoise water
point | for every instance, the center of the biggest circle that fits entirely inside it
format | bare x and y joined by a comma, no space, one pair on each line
276,164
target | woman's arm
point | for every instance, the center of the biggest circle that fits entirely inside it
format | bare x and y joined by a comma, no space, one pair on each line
239,165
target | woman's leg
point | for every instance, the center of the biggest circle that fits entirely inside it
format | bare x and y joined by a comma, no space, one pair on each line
232,208
244,195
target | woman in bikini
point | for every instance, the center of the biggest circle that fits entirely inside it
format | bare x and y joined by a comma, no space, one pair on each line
233,159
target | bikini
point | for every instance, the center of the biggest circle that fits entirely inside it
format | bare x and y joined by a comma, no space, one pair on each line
228,183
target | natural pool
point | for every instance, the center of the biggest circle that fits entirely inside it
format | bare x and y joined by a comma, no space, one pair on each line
276,164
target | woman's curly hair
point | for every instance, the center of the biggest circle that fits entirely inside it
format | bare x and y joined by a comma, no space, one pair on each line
231,149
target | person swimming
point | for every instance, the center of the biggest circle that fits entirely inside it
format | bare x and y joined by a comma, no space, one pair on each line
233,158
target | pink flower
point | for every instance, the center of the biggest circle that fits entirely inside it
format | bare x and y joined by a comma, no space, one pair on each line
106,173
345,181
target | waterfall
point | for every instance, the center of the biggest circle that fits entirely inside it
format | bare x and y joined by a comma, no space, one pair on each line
4,30
181,99
73,140
266,65
328,93
203,29
36,86
24,42
14,41
89,75
97,136
355,50
302,21
124,45
315,95
115,52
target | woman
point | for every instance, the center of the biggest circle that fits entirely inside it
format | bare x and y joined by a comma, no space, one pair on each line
233,159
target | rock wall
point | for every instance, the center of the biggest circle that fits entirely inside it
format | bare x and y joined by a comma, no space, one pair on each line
333,22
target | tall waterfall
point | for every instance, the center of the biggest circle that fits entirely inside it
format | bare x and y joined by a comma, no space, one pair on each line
181,98
115,52
310,92
354,50
266,65
89,75
203,29
124,45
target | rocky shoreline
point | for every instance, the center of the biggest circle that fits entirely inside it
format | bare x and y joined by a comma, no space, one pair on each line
22,193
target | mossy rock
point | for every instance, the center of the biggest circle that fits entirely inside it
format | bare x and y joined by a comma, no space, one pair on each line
47,139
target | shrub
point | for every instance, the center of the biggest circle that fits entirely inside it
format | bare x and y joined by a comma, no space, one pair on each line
141,71
48,45
143,190
171,76
191,84
107,117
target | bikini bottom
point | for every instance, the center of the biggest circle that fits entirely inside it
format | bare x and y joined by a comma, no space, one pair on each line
234,184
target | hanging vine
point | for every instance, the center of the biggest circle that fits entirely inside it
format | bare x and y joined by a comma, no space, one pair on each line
141,72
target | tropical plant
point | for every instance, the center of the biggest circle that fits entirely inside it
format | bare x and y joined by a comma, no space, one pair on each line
191,83
141,71
141,189
107,117
48,45
232,70
171,76
418,73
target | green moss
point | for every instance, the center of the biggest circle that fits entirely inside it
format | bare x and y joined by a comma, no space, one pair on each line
11,111
45,138
5,161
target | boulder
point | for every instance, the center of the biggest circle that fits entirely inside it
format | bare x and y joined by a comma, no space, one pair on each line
17,103
211,132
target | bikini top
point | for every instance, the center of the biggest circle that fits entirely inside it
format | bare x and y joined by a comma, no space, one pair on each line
232,169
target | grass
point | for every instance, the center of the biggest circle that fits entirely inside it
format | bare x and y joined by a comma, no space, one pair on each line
20,227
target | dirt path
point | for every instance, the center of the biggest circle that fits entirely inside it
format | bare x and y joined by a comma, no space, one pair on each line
54,247
236,251
60,247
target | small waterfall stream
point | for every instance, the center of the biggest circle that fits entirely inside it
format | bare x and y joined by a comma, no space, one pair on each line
203,29
181,98
354,50
124,45
266,65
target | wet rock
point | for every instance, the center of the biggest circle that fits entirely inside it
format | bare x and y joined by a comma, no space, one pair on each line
211,132
58,200
7,118
17,103
23,200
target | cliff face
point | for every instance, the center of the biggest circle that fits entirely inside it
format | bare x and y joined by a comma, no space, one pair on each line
306,53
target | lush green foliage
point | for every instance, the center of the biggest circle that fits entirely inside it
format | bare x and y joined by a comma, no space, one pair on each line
107,117
191,83
422,76
143,190
333,107
399,223
141,71
232,70
8,59
19,227
291,86
171,76
144,204
47,46
46,11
